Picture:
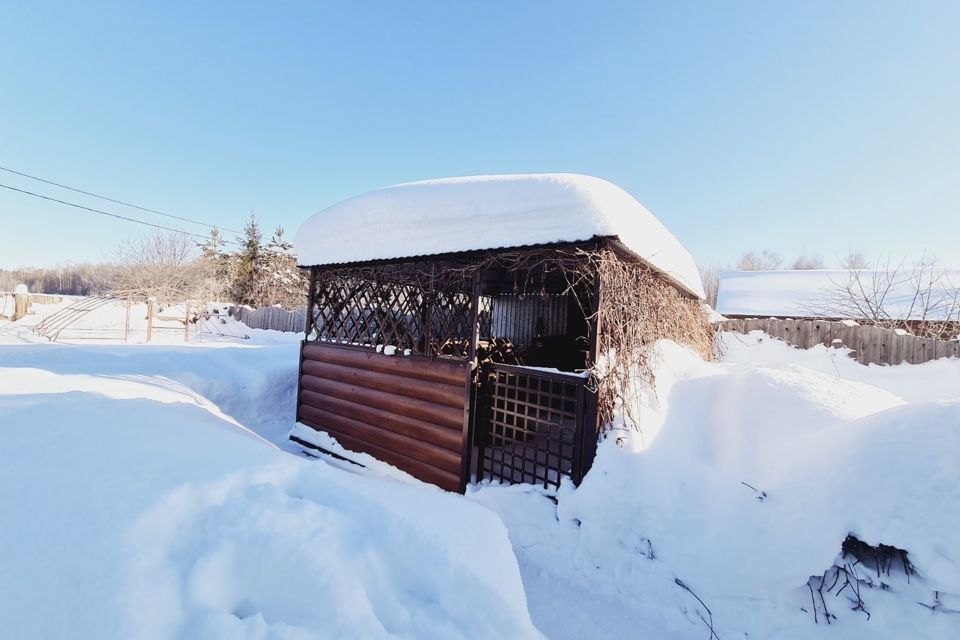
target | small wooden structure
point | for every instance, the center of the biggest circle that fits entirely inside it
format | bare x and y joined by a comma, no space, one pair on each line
21,305
464,364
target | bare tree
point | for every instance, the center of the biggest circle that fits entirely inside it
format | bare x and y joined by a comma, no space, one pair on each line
855,260
765,260
172,267
711,282
161,264
805,262
69,279
921,298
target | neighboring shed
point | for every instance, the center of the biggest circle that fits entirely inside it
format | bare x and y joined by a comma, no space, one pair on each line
454,325
909,295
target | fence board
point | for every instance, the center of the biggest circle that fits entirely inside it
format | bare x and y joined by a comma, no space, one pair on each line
273,318
870,345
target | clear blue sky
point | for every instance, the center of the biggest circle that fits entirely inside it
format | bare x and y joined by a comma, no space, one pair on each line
795,126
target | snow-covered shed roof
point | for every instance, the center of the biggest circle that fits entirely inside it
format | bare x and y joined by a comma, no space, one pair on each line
450,215
818,293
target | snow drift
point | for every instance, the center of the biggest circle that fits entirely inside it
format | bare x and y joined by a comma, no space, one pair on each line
137,508
748,479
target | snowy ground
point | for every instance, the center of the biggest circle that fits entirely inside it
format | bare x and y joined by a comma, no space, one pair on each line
150,501
110,323
833,448
137,503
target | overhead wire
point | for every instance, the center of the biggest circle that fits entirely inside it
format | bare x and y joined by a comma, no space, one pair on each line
107,213
115,201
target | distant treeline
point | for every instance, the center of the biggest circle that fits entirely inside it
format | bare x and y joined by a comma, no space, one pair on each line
73,279
173,267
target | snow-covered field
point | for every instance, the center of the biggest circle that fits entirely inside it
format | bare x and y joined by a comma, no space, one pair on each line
138,502
148,492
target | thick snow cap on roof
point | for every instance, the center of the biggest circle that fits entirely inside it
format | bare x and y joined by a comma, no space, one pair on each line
490,212
819,293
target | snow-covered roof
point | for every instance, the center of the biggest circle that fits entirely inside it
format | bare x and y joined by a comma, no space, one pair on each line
490,212
819,292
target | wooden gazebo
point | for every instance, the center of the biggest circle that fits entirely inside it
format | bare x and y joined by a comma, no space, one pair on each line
454,325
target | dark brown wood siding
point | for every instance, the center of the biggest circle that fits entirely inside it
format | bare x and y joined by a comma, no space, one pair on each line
409,411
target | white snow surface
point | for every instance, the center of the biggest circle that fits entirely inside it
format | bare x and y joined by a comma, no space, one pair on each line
149,492
802,294
490,212
833,447
139,503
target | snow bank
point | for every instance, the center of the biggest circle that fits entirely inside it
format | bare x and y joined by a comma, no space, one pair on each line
307,550
813,444
253,384
490,212
752,477
933,380
139,508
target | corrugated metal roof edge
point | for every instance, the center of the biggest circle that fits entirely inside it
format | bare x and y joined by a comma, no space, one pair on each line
620,248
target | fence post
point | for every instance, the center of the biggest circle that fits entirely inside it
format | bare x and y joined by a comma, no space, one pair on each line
126,322
151,301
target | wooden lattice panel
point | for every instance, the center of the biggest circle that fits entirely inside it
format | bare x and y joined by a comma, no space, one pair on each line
533,428
397,305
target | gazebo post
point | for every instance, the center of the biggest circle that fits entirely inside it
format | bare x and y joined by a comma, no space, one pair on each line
475,315
472,391
430,296
311,296
590,426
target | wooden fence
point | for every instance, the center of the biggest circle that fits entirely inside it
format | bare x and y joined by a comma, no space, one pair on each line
271,318
36,298
870,345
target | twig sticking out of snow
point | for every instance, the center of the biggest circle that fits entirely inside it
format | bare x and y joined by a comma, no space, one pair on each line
713,633
937,605
761,495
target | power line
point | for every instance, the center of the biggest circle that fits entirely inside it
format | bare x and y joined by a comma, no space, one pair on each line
107,213
126,204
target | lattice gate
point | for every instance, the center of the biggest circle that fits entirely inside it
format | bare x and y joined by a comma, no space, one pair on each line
534,426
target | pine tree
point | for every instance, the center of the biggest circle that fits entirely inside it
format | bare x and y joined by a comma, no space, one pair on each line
214,266
248,265
278,242
210,249
284,283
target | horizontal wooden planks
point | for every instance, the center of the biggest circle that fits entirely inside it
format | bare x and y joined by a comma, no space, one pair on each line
426,390
368,395
409,411
411,427
414,448
444,370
